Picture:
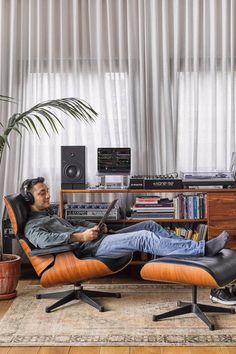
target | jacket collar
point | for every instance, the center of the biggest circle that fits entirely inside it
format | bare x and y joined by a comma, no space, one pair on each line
39,214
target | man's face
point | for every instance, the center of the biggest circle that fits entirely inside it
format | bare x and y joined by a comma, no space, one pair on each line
41,197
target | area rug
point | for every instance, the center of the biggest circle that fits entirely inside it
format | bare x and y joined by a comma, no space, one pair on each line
126,321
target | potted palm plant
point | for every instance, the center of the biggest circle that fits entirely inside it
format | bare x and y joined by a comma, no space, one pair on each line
41,113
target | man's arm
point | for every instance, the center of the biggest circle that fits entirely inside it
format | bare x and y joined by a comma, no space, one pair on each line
42,238
88,235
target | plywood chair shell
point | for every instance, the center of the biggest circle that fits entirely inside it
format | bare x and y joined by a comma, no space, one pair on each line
178,274
69,269
40,263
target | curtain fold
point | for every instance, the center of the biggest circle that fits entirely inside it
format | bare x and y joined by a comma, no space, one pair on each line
160,73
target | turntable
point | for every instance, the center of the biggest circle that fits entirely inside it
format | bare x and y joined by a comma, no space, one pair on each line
217,178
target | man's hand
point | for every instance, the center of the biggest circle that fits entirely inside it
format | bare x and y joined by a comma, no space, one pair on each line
87,235
103,229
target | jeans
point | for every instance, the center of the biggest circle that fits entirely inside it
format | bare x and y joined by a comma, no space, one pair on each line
148,237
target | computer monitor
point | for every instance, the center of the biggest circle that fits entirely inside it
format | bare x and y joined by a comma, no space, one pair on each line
113,160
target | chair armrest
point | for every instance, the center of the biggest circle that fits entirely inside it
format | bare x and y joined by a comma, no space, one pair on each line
54,250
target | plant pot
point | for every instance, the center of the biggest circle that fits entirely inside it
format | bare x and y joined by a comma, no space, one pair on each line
9,276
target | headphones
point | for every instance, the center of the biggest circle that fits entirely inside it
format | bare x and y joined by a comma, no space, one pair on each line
26,187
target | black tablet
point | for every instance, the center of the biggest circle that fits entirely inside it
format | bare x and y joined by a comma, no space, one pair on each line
105,216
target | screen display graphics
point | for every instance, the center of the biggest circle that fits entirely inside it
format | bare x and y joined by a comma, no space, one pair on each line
113,160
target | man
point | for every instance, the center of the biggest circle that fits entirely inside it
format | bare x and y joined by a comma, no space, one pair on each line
45,230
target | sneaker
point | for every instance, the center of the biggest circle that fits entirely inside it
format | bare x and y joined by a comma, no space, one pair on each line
223,296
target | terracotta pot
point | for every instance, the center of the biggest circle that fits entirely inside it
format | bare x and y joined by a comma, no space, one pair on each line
9,276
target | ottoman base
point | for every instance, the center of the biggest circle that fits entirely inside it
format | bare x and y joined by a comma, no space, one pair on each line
194,307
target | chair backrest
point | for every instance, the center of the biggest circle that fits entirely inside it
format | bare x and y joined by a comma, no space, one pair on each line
18,211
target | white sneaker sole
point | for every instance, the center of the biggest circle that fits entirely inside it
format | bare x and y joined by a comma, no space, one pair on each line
223,302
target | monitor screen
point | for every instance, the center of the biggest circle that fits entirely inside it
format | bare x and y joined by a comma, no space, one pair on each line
113,160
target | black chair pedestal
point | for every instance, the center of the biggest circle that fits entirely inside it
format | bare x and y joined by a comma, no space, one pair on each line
78,293
194,307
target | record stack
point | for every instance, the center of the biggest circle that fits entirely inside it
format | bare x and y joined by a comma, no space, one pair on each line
191,206
152,207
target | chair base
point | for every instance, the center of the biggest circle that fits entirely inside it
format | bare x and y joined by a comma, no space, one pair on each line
78,293
194,307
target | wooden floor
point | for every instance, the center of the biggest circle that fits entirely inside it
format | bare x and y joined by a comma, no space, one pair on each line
118,350
5,304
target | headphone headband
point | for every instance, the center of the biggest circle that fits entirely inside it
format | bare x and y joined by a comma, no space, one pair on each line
26,187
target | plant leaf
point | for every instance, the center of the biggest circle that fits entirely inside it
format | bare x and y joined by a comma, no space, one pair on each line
7,98
17,130
33,126
23,125
45,112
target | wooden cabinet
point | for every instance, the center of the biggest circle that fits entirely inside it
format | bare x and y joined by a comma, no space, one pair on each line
221,208
222,214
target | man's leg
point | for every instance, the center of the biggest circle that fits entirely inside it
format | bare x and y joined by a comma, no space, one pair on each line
212,247
149,226
118,245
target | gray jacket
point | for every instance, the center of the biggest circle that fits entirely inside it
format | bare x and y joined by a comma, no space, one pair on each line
45,230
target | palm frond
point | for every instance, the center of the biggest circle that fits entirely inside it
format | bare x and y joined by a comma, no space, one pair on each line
73,107
45,113
7,98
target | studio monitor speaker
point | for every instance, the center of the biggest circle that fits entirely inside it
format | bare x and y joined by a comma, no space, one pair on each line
72,167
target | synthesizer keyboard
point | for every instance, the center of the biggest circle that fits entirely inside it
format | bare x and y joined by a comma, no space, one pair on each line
155,182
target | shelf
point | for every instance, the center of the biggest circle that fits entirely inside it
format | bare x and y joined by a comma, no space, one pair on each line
95,190
143,191
169,220
132,220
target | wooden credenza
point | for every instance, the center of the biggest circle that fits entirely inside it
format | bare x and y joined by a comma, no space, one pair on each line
221,207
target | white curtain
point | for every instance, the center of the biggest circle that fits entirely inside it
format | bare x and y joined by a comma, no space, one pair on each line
160,74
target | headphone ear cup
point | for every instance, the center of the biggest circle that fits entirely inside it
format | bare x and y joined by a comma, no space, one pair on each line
29,198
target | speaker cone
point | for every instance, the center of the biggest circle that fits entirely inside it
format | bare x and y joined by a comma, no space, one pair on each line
72,171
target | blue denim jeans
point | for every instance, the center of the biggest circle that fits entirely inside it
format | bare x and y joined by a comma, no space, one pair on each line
149,237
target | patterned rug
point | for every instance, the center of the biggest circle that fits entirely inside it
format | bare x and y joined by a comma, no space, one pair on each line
126,321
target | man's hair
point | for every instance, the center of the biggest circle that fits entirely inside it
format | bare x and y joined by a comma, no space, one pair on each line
26,188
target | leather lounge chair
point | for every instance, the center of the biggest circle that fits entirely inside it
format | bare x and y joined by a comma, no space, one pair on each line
213,272
59,265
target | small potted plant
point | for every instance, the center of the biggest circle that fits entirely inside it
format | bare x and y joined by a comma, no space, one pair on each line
41,113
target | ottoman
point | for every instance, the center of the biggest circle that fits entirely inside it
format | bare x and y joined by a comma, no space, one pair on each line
217,271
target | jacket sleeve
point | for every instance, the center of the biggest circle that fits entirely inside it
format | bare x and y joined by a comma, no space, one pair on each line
86,224
41,238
